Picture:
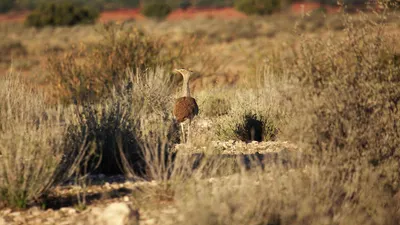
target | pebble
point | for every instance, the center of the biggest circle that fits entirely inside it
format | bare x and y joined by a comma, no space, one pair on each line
68,210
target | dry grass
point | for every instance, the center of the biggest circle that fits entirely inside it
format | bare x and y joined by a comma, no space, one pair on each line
36,150
336,97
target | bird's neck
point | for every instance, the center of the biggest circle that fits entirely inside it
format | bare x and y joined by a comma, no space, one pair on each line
185,88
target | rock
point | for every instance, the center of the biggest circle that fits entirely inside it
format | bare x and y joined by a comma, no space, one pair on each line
2,221
68,210
114,214
5,212
34,211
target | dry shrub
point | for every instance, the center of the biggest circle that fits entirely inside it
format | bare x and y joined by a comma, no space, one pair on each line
10,50
349,92
213,102
123,124
92,71
35,146
249,118
315,195
343,97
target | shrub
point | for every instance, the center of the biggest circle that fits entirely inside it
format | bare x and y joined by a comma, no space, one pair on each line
156,10
214,106
91,72
257,7
128,122
185,4
246,126
61,14
315,195
36,149
212,3
11,49
6,5
347,106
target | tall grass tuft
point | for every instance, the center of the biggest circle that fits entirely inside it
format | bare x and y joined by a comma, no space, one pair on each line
35,141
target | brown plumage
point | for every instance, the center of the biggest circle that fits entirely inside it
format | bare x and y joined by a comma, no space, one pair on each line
185,108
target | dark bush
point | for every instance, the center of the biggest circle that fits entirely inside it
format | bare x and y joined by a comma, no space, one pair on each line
156,10
257,7
255,128
6,5
185,4
212,3
61,14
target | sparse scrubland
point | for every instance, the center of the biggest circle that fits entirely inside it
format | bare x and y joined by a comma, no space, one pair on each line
101,103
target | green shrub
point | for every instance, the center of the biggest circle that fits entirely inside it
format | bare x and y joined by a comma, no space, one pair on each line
61,14
156,10
185,4
6,5
257,7
212,3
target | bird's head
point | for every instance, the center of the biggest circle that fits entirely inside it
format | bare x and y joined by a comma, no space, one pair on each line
186,73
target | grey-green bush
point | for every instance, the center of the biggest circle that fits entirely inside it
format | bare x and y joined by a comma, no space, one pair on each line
61,14
257,7
157,10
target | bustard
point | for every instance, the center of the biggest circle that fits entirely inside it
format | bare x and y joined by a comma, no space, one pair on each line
185,108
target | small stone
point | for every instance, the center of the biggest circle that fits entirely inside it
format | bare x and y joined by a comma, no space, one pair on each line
34,211
115,214
15,214
6,211
126,199
68,210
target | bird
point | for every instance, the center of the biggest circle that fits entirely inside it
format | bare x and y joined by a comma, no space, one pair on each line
186,107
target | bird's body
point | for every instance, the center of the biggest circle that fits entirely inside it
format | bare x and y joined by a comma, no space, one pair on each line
186,107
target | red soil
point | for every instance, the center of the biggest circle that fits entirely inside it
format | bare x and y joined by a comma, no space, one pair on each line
126,14
14,16
223,13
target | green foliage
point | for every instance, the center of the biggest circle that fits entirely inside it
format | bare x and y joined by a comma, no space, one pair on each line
185,4
213,3
61,14
6,5
257,7
157,10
